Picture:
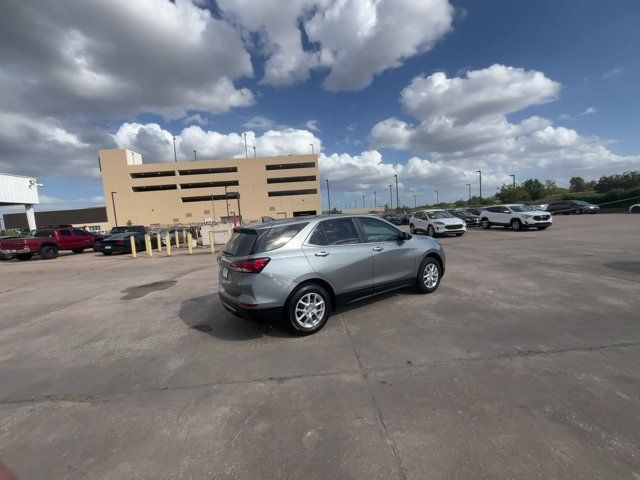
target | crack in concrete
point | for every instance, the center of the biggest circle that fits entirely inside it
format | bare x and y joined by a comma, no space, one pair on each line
362,370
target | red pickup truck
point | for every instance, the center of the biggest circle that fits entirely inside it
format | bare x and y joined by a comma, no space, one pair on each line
47,242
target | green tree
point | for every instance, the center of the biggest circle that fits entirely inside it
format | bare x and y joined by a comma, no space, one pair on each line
533,189
510,194
577,184
129,223
626,181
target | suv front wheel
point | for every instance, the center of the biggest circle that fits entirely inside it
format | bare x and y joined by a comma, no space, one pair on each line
308,309
486,224
429,275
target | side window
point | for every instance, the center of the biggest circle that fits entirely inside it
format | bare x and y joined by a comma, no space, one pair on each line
64,233
79,233
340,231
318,237
377,231
426,216
277,237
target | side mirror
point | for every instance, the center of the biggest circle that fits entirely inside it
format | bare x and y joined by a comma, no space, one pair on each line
404,236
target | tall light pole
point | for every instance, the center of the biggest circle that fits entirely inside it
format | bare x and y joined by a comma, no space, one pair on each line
246,152
195,155
375,200
226,201
390,197
363,202
479,172
437,198
254,151
328,195
415,201
312,150
175,153
113,204
469,187
397,197
514,180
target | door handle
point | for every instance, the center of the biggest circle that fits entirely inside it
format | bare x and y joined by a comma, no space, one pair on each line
377,249
322,254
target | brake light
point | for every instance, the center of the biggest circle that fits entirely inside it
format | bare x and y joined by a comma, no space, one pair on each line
253,265
120,242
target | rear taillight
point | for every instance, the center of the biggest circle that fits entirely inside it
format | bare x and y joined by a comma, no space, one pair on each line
253,265
120,242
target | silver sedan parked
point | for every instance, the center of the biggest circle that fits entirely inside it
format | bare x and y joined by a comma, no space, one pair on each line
303,268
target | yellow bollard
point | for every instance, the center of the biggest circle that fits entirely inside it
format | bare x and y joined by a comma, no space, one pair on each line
177,240
147,245
189,241
211,245
132,241
167,239
159,240
184,236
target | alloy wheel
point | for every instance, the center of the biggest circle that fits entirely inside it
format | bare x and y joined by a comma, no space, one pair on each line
310,310
430,275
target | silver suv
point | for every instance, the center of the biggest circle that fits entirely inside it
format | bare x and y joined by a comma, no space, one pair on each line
302,268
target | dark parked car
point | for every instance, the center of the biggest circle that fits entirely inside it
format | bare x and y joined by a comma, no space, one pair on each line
121,243
98,245
572,206
471,219
475,210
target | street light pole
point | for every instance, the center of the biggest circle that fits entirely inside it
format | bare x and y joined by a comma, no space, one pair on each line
514,180
195,155
469,186
397,197
254,151
226,201
375,200
415,201
328,195
312,150
175,153
437,198
213,205
363,202
391,197
246,152
113,204
480,173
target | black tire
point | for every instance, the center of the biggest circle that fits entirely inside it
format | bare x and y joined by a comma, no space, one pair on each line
578,211
516,225
296,302
77,250
423,281
412,229
635,210
48,252
24,256
485,223
107,253
431,231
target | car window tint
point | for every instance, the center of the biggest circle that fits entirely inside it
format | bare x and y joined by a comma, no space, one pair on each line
318,237
80,233
65,233
340,231
378,231
277,237
241,242
43,233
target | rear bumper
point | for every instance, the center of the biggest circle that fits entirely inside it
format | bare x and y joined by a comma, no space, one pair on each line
254,314
15,252
116,248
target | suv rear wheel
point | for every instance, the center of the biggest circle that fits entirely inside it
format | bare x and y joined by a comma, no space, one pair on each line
48,252
429,275
431,231
486,224
308,309
412,229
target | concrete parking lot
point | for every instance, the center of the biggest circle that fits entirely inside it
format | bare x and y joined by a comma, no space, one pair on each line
524,364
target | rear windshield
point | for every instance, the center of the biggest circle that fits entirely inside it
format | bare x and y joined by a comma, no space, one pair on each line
248,242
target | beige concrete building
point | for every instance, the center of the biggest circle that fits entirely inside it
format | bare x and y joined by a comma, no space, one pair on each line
193,192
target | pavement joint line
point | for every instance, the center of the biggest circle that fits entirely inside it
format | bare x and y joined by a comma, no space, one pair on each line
79,397
383,424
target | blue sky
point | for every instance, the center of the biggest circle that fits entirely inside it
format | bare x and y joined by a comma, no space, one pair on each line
329,73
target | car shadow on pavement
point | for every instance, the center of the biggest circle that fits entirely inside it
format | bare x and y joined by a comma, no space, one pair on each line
207,315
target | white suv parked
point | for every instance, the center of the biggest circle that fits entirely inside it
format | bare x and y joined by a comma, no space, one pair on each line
436,222
516,216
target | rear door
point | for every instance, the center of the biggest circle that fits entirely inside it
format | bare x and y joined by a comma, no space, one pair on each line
65,239
82,239
335,251
393,259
